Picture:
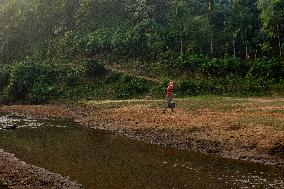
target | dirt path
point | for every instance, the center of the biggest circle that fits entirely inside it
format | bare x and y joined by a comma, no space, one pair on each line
246,129
126,72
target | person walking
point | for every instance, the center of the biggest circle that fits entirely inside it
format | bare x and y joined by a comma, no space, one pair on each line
169,97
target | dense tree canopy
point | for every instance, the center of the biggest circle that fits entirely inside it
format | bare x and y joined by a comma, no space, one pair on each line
144,28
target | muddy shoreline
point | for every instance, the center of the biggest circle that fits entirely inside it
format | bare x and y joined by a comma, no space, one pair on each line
201,130
18,174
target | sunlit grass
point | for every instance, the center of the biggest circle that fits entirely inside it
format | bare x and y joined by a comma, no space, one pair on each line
248,111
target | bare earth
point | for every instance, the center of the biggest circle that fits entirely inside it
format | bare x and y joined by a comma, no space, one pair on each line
240,128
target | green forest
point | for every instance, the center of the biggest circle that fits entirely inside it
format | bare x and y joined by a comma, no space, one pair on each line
70,49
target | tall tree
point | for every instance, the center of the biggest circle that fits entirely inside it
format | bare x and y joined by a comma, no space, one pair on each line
178,14
211,12
242,25
272,17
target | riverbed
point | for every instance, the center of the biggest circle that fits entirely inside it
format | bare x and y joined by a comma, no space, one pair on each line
104,159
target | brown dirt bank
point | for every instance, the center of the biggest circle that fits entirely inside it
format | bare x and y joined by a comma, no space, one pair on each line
246,129
20,175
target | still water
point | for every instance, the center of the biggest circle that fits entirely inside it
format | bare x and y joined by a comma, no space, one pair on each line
100,159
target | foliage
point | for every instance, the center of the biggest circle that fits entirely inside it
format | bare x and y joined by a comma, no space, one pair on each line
42,82
271,69
4,77
272,17
224,86
123,87
203,66
51,47
93,69
140,28
39,82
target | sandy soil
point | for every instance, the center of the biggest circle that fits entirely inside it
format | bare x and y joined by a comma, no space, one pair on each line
239,133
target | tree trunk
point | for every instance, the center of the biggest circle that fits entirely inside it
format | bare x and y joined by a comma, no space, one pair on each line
247,56
246,41
181,36
210,18
181,48
279,41
211,46
234,45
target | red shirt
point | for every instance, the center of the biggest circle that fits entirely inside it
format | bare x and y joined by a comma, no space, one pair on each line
170,90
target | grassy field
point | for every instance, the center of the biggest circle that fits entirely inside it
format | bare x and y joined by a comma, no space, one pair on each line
264,111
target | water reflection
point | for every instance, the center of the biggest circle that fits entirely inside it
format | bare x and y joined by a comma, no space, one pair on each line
99,159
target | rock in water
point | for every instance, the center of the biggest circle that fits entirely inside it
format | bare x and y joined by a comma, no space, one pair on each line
9,127
3,186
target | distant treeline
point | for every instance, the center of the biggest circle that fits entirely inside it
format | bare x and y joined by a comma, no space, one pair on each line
209,46
247,29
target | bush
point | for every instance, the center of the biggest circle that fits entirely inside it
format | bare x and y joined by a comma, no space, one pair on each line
198,65
123,87
223,67
94,70
218,86
267,69
39,83
187,87
4,77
